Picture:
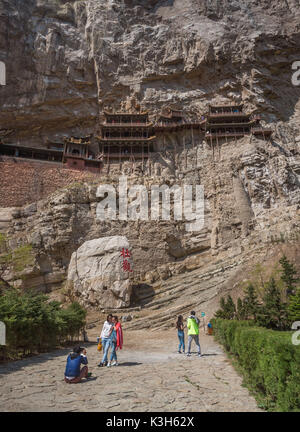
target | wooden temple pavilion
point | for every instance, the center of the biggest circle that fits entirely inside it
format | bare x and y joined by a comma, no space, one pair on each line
78,155
229,121
173,120
126,136
169,116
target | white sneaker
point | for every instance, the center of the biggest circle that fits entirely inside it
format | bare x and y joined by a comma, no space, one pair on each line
115,363
108,364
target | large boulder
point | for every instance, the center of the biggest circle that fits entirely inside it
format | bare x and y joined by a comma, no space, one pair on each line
96,273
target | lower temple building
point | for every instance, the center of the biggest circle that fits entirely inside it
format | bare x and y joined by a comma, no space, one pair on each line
79,155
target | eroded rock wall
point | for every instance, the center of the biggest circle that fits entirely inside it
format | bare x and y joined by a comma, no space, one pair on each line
67,60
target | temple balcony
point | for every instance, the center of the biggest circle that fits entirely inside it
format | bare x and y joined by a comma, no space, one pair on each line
126,124
126,139
261,131
228,114
226,135
127,155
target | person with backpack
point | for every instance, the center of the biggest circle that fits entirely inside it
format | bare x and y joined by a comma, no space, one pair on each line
193,333
180,333
73,374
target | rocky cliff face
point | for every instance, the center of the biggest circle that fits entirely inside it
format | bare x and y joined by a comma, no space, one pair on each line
252,198
66,60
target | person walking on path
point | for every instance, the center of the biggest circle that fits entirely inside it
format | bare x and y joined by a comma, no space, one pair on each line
73,374
180,332
106,339
116,341
193,333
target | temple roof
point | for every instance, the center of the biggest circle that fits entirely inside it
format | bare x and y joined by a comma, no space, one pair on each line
76,140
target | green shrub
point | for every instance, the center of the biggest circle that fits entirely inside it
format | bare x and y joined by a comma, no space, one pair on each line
35,324
268,359
294,307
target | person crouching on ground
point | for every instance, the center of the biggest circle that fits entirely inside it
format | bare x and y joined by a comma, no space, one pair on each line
180,332
106,339
193,333
116,341
73,374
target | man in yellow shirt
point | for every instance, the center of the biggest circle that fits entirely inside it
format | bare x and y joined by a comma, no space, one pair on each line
193,333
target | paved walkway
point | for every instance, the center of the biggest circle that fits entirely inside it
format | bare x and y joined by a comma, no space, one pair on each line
151,376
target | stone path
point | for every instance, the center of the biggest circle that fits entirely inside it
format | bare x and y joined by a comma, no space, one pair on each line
151,376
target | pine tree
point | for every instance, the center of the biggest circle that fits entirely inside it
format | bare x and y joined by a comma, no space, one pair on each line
227,309
240,310
288,275
294,307
221,312
230,308
250,303
273,313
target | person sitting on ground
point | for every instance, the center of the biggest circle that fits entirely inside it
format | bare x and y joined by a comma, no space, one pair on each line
116,341
193,333
73,374
180,332
106,339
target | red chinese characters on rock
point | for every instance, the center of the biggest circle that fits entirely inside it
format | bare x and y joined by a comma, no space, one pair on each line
126,266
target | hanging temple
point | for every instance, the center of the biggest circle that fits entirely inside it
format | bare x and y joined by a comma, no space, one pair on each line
127,136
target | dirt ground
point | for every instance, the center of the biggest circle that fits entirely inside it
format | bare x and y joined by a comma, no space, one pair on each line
151,376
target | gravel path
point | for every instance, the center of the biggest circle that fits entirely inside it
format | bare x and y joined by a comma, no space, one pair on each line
151,376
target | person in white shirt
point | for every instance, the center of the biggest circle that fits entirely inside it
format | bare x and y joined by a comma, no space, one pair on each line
106,339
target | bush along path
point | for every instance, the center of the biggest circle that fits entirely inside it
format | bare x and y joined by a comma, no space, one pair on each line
151,376
33,324
268,360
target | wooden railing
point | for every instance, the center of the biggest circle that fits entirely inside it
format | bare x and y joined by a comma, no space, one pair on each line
124,124
126,138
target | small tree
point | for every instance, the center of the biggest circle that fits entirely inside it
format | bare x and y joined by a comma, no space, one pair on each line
288,275
240,310
250,303
294,307
227,309
273,312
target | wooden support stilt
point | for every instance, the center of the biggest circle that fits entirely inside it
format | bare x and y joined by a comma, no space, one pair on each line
193,137
149,160
174,153
212,145
185,152
108,159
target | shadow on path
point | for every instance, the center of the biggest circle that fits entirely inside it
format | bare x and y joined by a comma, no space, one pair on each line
10,367
129,364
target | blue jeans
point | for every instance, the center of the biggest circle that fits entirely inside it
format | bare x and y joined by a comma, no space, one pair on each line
113,355
181,340
105,347
194,338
